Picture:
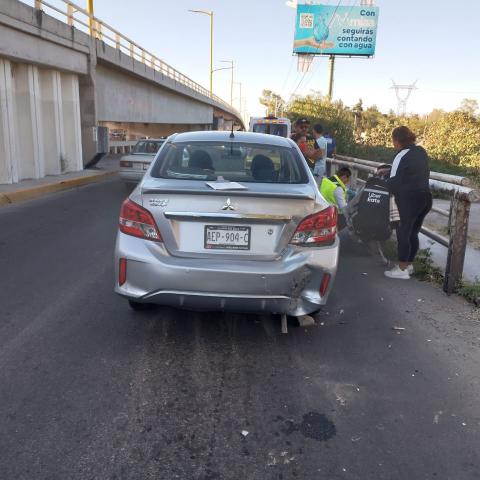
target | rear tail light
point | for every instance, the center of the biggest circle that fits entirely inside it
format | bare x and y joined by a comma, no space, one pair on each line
125,164
324,285
122,271
317,229
137,221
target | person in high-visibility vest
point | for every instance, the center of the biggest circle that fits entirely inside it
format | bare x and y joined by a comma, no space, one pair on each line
334,191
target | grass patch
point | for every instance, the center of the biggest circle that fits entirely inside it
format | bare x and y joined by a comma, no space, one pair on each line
427,271
470,291
390,249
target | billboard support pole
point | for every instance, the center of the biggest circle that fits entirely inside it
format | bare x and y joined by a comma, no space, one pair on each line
331,71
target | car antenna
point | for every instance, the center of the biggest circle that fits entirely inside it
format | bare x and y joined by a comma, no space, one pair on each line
232,135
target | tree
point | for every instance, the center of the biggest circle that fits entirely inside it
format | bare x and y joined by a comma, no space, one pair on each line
357,111
371,117
435,115
333,116
469,106
455,139
274,103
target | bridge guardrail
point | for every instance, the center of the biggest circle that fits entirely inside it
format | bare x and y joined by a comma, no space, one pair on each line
101,30
121,146
461,197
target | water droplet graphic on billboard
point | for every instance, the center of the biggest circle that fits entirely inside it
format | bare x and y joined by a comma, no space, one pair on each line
320,30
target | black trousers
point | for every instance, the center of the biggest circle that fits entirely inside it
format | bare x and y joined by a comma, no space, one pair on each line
413,208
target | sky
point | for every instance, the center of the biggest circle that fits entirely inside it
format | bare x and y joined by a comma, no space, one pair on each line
433,42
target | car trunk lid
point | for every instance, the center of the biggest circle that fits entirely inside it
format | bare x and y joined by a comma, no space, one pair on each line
197,221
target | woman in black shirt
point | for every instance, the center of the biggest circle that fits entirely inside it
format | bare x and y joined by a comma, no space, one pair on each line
409,183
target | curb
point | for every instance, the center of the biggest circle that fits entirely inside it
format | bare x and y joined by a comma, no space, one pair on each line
40,190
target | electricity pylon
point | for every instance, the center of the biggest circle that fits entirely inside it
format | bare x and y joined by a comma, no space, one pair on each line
403,93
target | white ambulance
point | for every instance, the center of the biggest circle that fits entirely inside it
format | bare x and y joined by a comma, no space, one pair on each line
281,127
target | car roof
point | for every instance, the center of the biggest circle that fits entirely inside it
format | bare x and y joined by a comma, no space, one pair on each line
152,139
225,136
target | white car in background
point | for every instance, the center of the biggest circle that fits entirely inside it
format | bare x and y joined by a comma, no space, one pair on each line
134,165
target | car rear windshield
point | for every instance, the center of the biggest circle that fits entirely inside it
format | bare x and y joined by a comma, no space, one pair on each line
280,130
147,147
236,162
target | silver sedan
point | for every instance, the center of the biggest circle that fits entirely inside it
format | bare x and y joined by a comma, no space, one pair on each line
227,221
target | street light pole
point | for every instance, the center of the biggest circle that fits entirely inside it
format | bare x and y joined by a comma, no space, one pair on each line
210,14
231,81
211,53
239,98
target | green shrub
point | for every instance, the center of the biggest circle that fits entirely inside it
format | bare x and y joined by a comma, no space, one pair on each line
333,116
424,267
471,291
454,139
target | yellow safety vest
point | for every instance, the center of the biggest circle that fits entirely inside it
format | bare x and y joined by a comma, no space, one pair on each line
328,187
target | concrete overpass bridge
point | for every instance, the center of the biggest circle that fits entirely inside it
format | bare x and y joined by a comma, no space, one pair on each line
66,81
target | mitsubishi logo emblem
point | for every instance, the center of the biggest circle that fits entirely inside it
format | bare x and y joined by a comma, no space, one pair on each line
228,205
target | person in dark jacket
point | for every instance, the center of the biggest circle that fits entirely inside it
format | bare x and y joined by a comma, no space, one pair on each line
409,183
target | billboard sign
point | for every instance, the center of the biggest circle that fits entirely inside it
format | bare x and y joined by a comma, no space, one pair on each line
335,30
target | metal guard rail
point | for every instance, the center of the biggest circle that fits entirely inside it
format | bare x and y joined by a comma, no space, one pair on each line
104,32
461,198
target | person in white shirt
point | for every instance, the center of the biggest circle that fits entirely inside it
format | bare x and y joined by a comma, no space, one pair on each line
320,168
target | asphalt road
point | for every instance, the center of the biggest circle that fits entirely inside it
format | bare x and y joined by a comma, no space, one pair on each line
91,390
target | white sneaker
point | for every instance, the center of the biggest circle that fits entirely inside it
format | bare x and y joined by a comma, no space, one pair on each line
396,272
410,270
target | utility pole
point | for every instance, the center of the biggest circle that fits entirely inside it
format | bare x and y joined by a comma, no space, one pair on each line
331,58
331,71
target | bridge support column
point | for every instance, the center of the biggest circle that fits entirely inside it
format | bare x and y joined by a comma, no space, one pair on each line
8,157
52,117
72,123
88,108
29,127
40,126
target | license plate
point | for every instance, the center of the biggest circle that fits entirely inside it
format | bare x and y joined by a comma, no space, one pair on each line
145,166
227,237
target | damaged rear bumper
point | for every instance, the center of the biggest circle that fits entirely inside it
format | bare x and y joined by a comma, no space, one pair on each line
289,284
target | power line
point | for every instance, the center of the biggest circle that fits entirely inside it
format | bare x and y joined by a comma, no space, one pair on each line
451,91
296,80
316,50
317,67
318,63
292,61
